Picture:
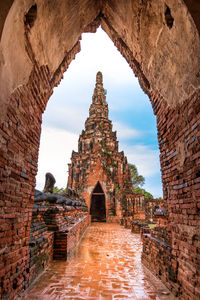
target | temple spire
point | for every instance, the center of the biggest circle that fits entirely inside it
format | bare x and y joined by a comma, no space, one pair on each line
98,170
99,92
99,78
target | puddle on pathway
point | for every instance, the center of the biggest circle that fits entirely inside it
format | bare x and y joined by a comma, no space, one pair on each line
106,265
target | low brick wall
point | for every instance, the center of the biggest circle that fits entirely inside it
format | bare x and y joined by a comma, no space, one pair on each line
66,240
49,221
113,219
135,228
157,257
127,222
55,231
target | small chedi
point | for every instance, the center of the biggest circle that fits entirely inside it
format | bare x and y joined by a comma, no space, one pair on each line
98,171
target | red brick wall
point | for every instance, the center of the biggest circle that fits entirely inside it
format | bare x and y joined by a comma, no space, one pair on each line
179,142
19,144
40,246
157,256
113,219
75,233
68,239
18,167
55,230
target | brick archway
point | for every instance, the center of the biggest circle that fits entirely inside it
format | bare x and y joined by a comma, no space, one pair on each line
45,36
98,204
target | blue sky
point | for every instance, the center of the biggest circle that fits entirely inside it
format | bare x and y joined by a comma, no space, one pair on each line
129,109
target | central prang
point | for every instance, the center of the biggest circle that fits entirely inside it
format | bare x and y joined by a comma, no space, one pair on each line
99,78
98,171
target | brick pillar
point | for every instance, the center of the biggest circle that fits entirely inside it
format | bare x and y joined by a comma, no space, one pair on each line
20,134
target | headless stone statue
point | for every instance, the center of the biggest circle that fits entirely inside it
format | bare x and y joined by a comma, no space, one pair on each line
49,183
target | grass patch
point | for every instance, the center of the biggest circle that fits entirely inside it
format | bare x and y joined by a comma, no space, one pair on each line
152,225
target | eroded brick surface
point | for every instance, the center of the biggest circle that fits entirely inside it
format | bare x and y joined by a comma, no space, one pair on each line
179,142
20,135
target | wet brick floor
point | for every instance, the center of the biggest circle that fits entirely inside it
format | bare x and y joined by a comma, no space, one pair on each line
106,265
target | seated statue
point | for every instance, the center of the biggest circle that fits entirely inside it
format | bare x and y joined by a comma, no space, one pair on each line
49,183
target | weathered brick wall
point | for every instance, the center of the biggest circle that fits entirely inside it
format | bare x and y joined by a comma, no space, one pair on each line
19,153
71,236
179,142
66,240
157,256
50,223
19,144
57,217
40,245
113,219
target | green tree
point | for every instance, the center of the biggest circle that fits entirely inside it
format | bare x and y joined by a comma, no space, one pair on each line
138,181
57,190
138,190
136,178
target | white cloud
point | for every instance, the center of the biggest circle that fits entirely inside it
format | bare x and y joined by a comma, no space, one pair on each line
145,159
55,152
125,132
106,59
68,117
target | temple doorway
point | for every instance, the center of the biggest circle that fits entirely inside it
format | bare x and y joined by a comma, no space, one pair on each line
98,207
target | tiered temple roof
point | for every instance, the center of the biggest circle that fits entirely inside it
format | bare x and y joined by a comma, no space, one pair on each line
98,160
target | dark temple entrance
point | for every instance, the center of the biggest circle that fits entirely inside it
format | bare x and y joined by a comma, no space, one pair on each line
98,207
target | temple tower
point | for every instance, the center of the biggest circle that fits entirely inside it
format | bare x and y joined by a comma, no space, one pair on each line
98,171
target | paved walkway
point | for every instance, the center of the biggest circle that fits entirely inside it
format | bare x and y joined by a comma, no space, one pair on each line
106,265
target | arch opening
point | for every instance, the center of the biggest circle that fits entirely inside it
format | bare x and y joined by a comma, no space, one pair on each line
24,102
62,114
98,204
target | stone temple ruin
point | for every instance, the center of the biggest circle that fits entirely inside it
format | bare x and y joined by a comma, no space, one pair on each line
161,42
98,171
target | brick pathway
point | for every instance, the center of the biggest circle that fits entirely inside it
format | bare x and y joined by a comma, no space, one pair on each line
106,265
